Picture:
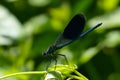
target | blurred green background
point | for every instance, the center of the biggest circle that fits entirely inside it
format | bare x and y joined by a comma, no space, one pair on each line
28,27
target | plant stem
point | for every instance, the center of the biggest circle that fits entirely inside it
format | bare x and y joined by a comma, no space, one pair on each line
79,74
23,73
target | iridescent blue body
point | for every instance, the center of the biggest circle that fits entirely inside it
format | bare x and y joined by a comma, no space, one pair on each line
72,32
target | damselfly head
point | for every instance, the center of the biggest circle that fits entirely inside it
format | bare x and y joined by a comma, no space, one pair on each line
50,50
45,53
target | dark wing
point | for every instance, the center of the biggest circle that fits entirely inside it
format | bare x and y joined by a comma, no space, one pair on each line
75,27
72,31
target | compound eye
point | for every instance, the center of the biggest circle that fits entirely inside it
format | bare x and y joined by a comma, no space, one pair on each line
44,53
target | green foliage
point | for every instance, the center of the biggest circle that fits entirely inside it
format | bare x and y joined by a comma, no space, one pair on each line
58,72
28,27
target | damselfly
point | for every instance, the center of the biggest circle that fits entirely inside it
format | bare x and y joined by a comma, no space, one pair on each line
72,32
